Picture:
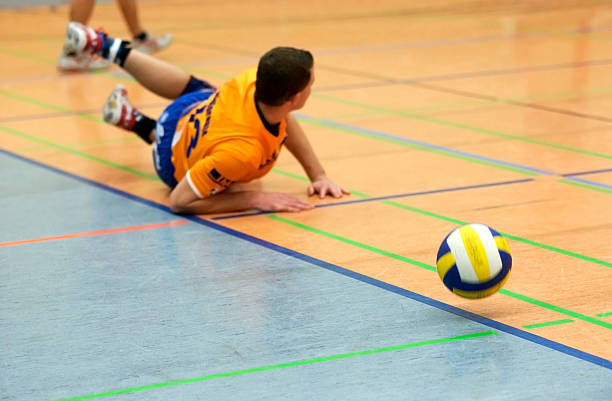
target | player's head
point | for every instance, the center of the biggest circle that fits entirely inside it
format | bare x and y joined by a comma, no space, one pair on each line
283,73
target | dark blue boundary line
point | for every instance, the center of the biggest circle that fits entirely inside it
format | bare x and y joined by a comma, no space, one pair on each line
427,145
378,198
341,270
603,170
573,177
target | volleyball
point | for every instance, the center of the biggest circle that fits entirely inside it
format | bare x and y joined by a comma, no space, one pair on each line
474,261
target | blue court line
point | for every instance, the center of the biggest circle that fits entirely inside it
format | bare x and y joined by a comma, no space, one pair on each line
395,138
589,182
378,198
341,270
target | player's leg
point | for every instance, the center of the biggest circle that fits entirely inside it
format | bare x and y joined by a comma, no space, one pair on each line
80,11
118,111
158,76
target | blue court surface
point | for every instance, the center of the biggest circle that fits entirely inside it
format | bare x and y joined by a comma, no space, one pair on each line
113,297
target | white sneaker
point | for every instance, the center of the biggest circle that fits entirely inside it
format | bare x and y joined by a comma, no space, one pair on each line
152,44
81,39
80,63
118,111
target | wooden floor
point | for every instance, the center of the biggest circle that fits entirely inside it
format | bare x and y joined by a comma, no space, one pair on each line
432,114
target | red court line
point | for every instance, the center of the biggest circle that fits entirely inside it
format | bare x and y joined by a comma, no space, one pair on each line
94,233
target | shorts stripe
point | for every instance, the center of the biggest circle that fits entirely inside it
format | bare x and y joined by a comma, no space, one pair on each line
166,129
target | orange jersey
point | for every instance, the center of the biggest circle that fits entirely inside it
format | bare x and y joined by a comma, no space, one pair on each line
223,140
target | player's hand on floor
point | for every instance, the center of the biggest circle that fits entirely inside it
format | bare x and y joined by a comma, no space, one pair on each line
323,186
280,202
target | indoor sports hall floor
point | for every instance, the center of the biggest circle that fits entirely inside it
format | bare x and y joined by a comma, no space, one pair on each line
431,113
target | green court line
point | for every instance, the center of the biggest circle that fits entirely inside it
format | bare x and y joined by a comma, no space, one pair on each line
510,236
90,117
606,314
392,203
562,321
357,115
385,253
546,324
467,127
266,368
45,105
493,103
558,250
557,309
29,56
584,185
304,179
43,60
290,175
353,243
325,124
224,76
78,144
498,102
155,178
107,141
413,262
76,152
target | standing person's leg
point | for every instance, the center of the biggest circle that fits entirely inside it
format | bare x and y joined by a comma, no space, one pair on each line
142,40
129,9
80,11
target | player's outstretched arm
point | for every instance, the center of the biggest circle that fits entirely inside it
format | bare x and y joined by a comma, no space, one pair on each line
300,147
184,201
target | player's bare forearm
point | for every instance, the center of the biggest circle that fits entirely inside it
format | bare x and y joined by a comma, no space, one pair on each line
300,147
184,201
297,143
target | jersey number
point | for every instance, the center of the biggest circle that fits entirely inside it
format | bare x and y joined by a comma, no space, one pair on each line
196,123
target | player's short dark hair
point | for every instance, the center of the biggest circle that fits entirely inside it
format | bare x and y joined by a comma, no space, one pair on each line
282,72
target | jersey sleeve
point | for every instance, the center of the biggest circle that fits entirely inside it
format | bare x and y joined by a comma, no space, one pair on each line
224,166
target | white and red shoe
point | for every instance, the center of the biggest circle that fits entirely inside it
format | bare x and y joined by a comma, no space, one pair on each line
118,110
81,39
81,63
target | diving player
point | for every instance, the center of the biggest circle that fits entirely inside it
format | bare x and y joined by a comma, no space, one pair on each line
211,138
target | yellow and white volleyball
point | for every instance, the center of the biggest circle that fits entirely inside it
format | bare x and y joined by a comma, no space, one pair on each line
474,261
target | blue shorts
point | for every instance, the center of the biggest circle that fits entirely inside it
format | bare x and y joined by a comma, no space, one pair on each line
196,92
